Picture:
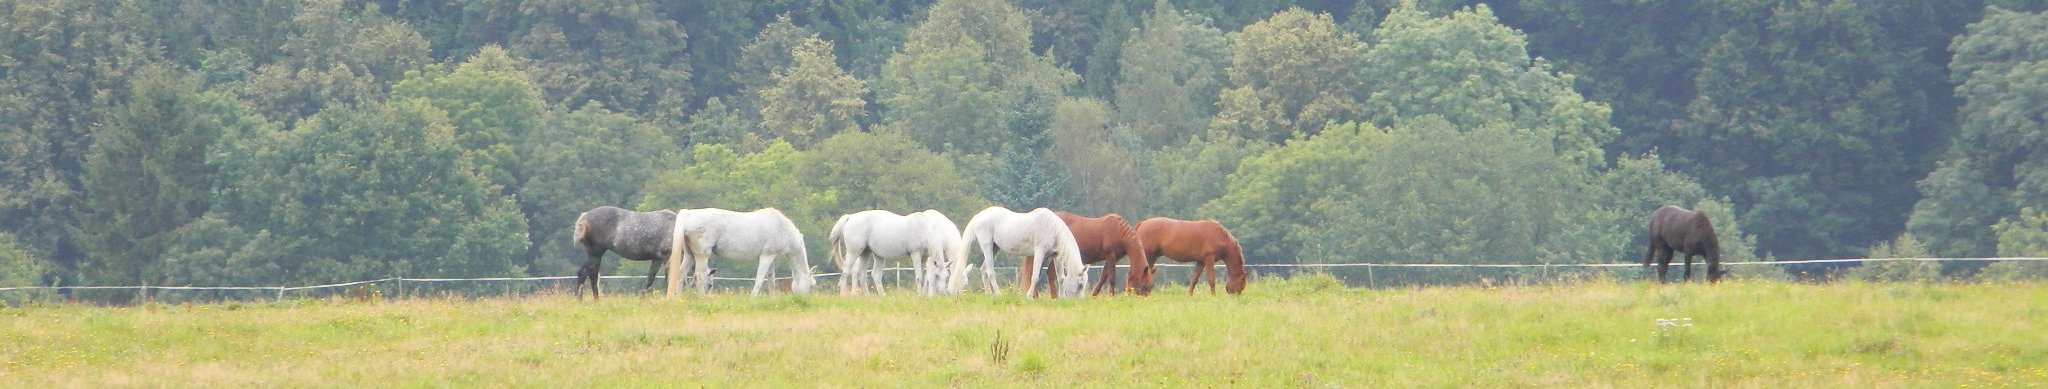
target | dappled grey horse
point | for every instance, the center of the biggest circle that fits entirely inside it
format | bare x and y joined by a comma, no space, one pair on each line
639,236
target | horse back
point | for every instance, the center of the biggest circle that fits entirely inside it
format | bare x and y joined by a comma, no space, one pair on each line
1682,229
1180,239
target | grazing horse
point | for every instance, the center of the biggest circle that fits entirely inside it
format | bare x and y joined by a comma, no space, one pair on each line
766,234
1039,232
639,236
1203,241
862,240
1106,239
1689,232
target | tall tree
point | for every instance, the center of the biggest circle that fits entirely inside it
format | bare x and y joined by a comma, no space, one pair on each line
147,174
812,98
1469,69
771,50
335,55
1171,72
1817,120
884,170
493,111
1102,172
960,71
376,191
59,62
624,54
1996,164
1293,71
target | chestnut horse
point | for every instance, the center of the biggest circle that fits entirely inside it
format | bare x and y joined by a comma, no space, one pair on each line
1688,232
1203,241
1107,238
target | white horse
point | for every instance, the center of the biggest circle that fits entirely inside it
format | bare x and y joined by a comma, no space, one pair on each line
863,240
1039,233
766,234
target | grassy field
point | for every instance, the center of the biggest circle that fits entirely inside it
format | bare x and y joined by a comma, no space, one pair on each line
1306,332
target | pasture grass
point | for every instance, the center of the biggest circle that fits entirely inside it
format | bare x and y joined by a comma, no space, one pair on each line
1309,331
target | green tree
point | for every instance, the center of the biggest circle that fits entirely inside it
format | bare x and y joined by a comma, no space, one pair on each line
718,123
771,50
960,71
377,191
1995,164
885,170
19,267
335,55
580,160
493,111
1816,118
1903,247
813,98
1423,191
1103,174
1293,71
60,62
2022,235
1171,74
624,54
147,174
1183,177
1471,70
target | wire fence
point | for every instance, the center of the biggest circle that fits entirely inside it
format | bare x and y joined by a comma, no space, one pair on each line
1363,274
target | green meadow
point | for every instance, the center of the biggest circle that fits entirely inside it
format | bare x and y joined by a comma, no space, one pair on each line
1307,332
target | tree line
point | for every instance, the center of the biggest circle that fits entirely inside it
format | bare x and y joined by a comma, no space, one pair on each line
281,142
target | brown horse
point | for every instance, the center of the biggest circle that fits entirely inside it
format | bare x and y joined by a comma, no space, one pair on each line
1689,232
1202,241
1107,238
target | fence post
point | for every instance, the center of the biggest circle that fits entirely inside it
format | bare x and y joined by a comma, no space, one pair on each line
1369,280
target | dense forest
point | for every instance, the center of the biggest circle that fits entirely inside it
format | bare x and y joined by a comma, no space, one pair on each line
208,142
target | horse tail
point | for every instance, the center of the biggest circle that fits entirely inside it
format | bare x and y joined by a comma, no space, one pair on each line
1233,261
679,245
582,230
956,278
834,238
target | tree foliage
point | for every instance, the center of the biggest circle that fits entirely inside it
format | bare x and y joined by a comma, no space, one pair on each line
147,173
1995,164
960,71
812,98
1292,72
360,193
1470,70
1171,75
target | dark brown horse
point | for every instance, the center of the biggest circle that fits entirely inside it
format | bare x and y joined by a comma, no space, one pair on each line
639,236
1204,242
1105,240
1688,232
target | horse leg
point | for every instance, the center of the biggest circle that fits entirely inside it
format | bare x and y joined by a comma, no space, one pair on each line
1053,278
653,268
1195,278
917,273
1209,269
875,266
1688,266
761,273
1663,265
988,268
1108,271
1037,256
